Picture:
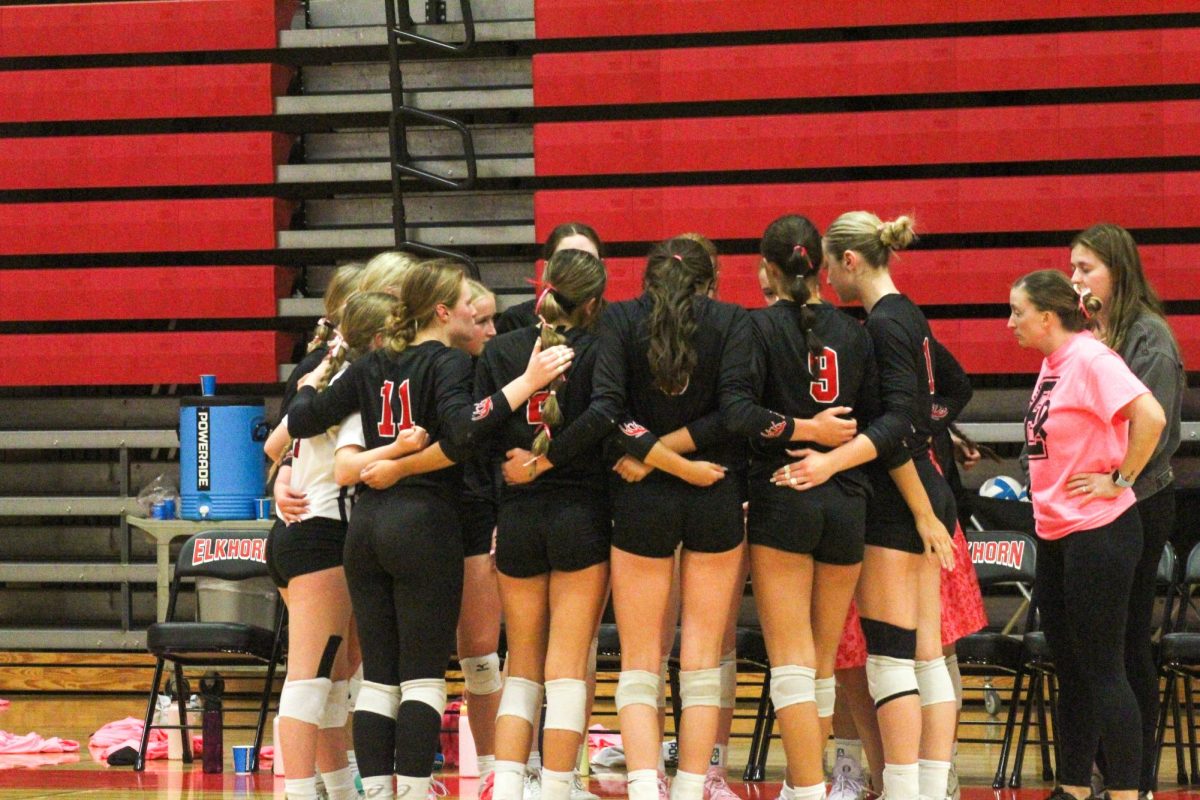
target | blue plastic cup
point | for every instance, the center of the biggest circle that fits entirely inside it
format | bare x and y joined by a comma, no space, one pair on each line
241,759
208,385
262,508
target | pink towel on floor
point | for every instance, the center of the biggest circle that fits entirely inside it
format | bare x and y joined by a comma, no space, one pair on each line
33,743
126,733
4,703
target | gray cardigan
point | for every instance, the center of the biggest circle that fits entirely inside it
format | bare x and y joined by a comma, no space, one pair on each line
1153,356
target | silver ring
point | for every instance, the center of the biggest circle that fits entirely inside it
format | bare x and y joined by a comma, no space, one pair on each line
792,481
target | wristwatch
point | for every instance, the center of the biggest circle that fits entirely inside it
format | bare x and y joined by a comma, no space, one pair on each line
1121,480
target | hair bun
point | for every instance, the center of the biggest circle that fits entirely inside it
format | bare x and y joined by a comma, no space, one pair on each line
897,234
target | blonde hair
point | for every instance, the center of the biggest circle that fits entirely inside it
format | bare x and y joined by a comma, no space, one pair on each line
422,289
869,236
384,271
478,290
341,285
572,279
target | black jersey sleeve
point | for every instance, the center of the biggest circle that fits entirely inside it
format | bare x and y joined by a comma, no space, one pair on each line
952,387
898,392
312,413
743,376
465,423
305,366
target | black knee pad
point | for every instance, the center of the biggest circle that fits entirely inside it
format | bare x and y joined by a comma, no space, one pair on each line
885,639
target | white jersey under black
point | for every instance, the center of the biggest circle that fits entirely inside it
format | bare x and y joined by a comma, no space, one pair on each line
312,468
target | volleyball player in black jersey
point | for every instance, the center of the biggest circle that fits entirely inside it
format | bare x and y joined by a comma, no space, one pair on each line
567,236
812,366
665,358
909,514
553,532
404,548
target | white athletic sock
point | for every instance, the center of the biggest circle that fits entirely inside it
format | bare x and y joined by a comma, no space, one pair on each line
814,792
534,762
379,787
643,784
848,748
487,764
901,781
786,792
687,786
933,776
719,756
509,783
300,788
557,785
412,788
339,785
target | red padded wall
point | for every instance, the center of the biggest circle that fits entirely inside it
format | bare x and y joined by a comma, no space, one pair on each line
131,293
182,159
869,139
132,226
596,18
148,26
208,90
858,69
118,359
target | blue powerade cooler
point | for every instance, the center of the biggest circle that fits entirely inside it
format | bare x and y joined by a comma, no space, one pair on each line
222,468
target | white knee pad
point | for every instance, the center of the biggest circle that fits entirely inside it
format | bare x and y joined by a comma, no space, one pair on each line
355,683
637,687
337,705
521,698
792,684
933,682
304,700
378,698
566,704
890,678
825,690
482,674
430,691
729,679
700,687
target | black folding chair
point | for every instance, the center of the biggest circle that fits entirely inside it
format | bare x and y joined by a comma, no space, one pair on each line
230,556
1179,663
1002,559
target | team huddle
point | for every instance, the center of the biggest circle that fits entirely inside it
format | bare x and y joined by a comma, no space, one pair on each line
657,451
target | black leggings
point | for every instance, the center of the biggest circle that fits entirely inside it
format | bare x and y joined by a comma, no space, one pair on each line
1157,513
1083,586
404,567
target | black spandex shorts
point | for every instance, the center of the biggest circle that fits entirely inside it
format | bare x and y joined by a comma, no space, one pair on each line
889,522
561,529
652,517
478,524
310,545
825,522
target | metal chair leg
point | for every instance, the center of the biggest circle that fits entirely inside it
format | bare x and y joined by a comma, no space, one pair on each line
760,724
1044,733
1035,686
139,763
1009,728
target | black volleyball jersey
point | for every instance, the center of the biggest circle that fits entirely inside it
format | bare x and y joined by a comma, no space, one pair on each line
581,461
428,384
793,383
904,354
626,391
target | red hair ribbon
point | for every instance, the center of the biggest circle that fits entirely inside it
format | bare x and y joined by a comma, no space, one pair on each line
677,257
803,251
543,288
1083,309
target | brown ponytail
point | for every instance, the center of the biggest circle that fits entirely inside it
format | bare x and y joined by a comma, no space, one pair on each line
340,287
422,289
572,279
676,271
1050,290
793,244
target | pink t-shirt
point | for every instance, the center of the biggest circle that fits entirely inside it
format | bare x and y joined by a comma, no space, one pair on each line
1072,426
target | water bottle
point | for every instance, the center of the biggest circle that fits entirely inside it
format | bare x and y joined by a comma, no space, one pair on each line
211,688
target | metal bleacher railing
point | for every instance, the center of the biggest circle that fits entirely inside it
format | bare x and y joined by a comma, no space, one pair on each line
399,30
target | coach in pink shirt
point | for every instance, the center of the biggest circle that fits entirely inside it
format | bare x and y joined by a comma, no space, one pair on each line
1090,428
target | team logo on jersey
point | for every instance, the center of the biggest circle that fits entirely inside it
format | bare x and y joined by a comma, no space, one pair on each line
482,409
775,429
1036,416
938,412
632,429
